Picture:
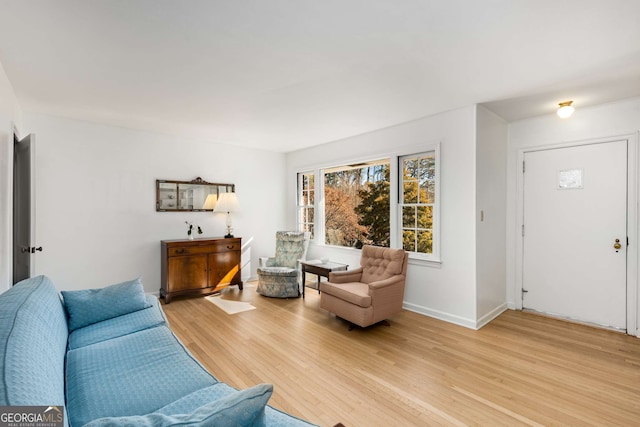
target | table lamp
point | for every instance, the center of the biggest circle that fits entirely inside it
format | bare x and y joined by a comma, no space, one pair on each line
227,203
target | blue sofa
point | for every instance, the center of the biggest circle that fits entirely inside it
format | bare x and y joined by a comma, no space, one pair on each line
109,358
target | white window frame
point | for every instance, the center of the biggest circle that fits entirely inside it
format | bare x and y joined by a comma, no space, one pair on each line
300,206
435,231
433,259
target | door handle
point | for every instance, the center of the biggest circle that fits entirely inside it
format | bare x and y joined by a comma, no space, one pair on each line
617,244
30,249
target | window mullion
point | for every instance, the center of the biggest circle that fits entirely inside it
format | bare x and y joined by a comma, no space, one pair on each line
319,207
395,208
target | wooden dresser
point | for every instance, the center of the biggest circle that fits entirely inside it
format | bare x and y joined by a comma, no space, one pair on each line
199,266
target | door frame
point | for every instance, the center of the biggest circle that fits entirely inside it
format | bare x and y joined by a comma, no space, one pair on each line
632,220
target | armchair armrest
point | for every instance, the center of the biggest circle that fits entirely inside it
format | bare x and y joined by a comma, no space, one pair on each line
266,261
373,286
346,276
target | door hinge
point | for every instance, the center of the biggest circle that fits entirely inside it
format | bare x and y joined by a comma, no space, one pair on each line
522,230
524,291
523,166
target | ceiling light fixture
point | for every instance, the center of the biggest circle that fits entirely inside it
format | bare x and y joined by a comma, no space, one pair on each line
566,109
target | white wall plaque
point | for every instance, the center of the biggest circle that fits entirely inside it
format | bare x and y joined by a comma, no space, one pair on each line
570,179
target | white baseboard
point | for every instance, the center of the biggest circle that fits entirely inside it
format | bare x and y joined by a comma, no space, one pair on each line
491,315
457,320
440,315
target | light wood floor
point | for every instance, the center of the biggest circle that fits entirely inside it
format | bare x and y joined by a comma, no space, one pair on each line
521,369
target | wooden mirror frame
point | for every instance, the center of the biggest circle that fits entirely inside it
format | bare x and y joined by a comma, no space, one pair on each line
187,196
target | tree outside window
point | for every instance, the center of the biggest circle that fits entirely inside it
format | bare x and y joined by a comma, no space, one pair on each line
356,202
418,199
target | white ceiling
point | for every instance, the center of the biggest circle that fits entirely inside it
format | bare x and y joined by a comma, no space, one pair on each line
287,74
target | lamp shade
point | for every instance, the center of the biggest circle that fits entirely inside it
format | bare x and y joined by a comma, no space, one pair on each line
210,203
227,202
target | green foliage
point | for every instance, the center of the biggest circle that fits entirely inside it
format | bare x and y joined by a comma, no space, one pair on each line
357,206
374,211
418,193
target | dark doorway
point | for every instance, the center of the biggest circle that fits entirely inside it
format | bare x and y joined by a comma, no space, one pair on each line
22,208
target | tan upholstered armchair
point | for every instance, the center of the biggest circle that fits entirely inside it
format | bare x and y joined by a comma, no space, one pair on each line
371,293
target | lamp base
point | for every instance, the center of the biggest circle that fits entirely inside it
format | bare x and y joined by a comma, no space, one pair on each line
229,227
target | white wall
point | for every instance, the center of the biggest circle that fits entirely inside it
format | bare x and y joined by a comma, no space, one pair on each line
10,115
603,121
491,193
446,292
96,217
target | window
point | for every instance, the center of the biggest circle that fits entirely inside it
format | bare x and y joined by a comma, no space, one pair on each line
391,202
356,204
306,200
417,201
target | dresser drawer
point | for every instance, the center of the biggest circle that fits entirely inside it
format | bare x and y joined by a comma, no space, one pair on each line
191,250
203,249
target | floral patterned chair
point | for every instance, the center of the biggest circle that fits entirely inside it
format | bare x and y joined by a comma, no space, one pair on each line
279,276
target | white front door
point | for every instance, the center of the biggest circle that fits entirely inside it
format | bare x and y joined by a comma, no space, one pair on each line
575,216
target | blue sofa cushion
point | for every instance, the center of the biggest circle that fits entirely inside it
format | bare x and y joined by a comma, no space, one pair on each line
89,306
119,326
33,342
193,401
238,409
190,402
134,374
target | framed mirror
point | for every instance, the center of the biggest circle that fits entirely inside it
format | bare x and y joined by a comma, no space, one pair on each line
189,196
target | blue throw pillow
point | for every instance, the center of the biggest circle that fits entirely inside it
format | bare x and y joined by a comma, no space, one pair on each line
241,409
89,306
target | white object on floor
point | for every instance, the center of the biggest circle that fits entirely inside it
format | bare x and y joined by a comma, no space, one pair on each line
228,306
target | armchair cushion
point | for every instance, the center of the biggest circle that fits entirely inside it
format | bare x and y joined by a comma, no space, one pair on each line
290,248
354,293
380,263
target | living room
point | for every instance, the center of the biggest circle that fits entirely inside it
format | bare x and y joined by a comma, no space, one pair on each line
95,175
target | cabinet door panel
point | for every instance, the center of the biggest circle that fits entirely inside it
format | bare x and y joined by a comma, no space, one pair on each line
224,268
187,272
